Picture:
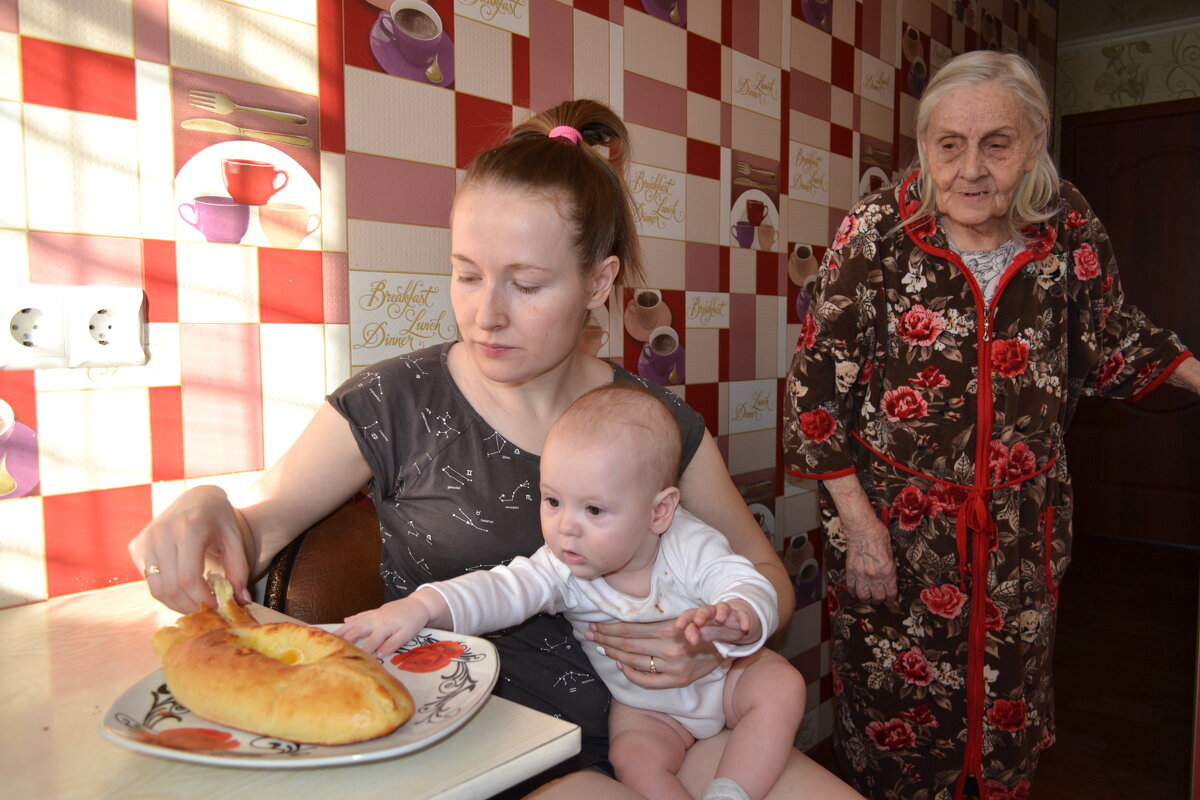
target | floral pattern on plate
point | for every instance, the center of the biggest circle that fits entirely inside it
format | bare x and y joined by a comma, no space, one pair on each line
448,675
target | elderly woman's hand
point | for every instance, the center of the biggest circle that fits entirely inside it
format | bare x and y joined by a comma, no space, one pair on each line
870,566
655,655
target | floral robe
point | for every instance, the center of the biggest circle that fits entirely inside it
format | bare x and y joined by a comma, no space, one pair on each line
952,413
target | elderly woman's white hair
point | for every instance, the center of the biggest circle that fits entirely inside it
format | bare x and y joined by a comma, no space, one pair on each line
1034,199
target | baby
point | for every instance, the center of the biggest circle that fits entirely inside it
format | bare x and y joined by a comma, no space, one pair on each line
619,547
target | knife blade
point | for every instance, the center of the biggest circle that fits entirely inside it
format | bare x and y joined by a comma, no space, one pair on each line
220,126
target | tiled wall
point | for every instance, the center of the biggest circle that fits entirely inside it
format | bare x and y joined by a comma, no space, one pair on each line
776,112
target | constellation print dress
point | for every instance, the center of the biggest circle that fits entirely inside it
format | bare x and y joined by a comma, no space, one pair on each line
454,496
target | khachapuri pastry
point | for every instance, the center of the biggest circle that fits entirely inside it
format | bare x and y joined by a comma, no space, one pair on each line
278,679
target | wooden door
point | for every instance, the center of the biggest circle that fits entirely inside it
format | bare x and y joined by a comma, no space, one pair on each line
1136,467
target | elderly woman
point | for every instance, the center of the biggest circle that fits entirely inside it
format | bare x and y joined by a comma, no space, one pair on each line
958,318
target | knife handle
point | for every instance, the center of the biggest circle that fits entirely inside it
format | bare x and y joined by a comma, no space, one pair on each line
285,138
284,116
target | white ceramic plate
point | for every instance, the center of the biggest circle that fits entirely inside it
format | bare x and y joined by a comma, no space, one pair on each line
460,672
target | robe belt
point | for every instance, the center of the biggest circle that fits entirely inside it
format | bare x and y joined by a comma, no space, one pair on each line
974,514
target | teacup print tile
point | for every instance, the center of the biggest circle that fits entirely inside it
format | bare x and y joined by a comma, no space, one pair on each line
751,405
808,173
659,200
874,165
939,54
877,81
511,15
396,313
756,85
706,309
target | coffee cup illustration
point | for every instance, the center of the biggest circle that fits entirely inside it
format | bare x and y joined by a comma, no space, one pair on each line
662,357
802,263
743,233
415,29
767,236
219,219
911,43
252,183
592,338
918,76
287,224
644,312
756,211
8,426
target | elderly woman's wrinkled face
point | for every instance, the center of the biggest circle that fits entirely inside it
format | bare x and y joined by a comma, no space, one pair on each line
978,146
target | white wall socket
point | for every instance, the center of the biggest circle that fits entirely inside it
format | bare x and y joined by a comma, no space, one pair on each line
34,337
72,326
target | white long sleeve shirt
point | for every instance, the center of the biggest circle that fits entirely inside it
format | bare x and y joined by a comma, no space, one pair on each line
694,566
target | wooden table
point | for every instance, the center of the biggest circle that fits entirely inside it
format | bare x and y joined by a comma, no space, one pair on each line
63,662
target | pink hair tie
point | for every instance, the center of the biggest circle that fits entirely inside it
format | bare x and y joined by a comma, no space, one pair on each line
566,132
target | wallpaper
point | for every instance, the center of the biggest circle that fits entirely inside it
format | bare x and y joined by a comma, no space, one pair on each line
1129,72
275,177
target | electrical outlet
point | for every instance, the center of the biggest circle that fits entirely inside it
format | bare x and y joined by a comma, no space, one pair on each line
72,326
33,336
105,326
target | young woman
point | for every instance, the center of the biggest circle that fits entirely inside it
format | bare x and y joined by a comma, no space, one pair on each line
541,230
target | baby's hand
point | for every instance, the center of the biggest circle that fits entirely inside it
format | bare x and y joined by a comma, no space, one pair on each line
386,629
731,622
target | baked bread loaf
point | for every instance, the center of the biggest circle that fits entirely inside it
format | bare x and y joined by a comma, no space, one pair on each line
278,679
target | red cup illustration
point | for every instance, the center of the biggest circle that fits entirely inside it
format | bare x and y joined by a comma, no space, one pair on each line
252,183
219,219
756,211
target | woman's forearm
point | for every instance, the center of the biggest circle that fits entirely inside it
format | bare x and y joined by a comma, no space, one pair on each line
852,504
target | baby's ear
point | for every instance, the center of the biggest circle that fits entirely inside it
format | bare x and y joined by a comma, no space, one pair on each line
665,503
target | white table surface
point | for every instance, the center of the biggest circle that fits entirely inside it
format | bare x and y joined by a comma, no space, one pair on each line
64,661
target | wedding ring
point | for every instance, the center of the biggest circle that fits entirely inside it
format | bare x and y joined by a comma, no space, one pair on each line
653,669
151,569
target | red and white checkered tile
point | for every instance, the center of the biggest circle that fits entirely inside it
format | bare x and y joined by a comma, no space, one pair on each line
806,104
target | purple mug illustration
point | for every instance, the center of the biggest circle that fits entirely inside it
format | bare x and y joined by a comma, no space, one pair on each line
817,12
219,219
415,29
8,426
661,359
743,233
918,76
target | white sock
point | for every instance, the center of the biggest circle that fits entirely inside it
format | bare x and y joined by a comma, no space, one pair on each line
725,789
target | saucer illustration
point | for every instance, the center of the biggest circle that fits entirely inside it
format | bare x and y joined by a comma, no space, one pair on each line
640,320
394,63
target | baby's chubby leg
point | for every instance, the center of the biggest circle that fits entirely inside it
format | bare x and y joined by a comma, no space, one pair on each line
764,705
646,749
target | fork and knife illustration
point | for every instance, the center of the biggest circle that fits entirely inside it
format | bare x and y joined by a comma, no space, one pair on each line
753,176
222,104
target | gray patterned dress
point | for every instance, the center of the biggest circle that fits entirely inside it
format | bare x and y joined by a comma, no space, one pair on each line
453,496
